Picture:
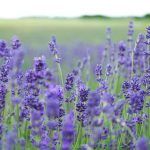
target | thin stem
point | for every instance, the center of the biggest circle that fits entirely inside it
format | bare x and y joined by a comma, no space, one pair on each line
59,71
132,60
128,129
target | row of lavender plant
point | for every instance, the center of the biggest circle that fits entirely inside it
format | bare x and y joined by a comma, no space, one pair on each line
40,110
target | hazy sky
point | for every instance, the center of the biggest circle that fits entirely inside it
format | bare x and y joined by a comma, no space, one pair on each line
71,8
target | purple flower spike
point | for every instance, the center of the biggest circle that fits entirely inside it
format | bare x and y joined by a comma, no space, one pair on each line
142,144
108,70
15,42
98,70
39,63
68,131
148,32
52,45
148,36
4,51
69,81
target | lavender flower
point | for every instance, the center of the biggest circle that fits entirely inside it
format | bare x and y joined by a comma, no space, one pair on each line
81,105
139,52
4,71
108,35
130,30
108,70
44,143
93,104
30,76
36,121
4,51
68,131
122,49
52,45
39,64
2,96
108,98
15,42
11,139
142,144
69,82
83,93
52,104
136,102
98,70
148,33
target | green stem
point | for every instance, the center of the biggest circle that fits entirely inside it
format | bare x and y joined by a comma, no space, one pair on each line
79,137
59,71
132,61
127,128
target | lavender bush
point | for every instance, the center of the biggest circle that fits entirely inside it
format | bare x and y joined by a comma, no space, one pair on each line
107,107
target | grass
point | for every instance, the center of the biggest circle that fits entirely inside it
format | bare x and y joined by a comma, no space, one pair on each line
36,33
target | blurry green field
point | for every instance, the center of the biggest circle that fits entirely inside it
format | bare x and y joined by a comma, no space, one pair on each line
36,33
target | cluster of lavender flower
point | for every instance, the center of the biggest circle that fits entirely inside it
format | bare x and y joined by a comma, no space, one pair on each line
39,110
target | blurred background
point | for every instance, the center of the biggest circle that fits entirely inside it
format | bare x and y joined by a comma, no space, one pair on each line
78,25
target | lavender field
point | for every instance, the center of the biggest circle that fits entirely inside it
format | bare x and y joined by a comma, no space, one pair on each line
74,84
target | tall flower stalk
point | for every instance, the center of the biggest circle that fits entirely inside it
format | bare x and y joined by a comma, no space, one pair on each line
54,51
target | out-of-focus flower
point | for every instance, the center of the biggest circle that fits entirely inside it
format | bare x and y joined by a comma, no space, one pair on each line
142,144
68,131
15,42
